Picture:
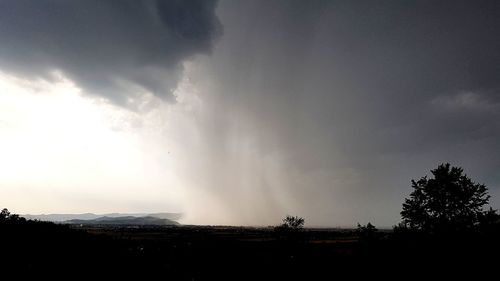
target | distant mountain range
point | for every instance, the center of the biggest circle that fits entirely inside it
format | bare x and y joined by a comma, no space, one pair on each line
128,220
92,216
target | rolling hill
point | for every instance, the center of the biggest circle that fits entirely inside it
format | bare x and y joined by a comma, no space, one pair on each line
127,220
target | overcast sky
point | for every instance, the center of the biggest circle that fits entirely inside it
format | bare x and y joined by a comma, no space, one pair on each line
240,112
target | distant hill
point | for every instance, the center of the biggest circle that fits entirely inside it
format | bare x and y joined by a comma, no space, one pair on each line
128,220
92,216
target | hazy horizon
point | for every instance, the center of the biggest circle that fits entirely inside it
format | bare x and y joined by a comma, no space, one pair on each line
59,217
241,112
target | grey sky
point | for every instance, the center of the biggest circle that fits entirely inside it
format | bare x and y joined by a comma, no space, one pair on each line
337,104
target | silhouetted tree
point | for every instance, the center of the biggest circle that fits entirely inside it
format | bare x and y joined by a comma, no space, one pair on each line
6,216
448,201
290,229
366,232
293,223
368,228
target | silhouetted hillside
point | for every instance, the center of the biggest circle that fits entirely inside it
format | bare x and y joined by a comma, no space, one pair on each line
124,221
91,216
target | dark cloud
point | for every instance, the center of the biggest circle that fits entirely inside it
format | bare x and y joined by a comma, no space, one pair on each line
106,46
358,97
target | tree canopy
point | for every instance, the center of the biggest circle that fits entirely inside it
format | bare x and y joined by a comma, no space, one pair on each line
6,216
293,222
449,200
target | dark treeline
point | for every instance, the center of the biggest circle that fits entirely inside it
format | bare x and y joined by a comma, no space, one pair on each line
447,228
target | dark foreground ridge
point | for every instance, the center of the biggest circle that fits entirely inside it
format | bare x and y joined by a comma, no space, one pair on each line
34,248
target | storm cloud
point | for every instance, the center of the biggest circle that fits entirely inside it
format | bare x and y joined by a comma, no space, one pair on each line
322,109
353,99
109,48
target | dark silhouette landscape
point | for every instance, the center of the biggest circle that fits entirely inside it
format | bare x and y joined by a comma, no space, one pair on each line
445,229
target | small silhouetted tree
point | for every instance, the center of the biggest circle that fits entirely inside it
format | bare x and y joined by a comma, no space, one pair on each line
290,224
366,232
8,217
4,214
368,228
293,223
448,201
290,229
